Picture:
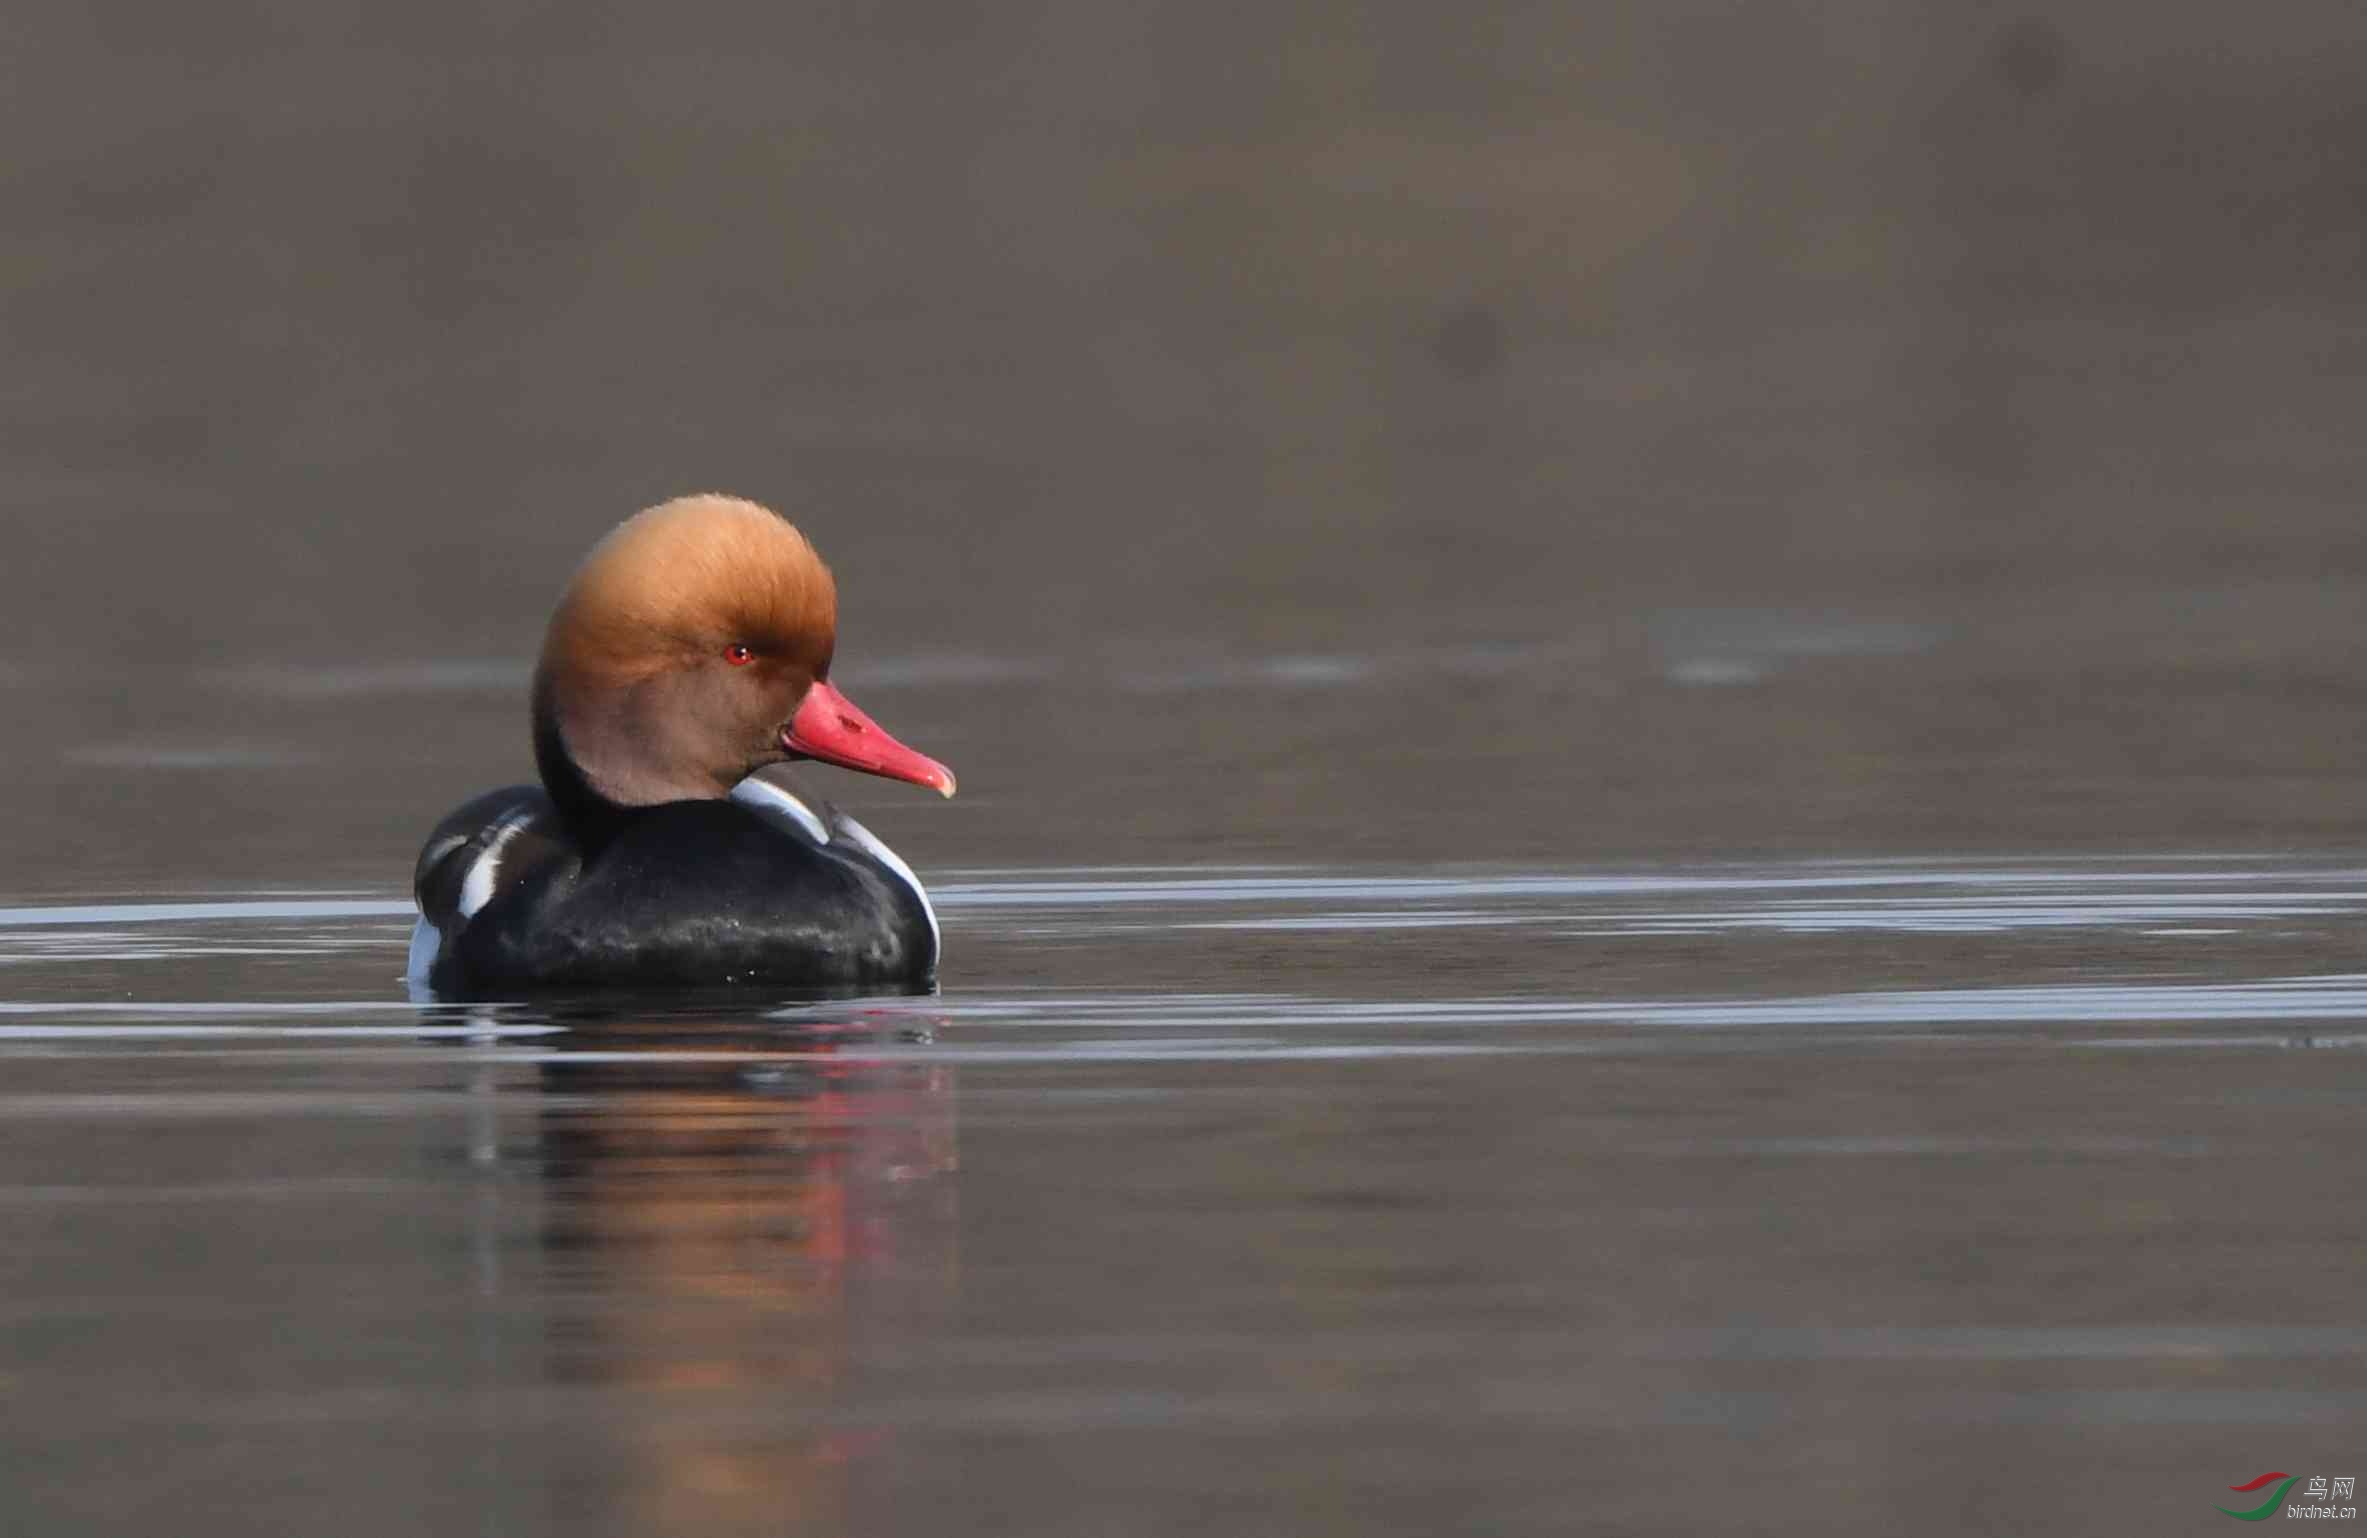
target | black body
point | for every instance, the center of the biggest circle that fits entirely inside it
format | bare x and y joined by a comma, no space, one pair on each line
689,893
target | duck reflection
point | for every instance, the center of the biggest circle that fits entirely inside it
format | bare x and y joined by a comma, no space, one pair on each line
733,1202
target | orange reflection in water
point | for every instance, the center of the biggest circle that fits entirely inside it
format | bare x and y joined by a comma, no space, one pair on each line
730,1214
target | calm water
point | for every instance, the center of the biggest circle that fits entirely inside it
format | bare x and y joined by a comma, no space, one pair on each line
1817,1194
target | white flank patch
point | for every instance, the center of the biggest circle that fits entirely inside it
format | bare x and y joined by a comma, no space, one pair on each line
427,942
476,888
869,843
435,852
768,799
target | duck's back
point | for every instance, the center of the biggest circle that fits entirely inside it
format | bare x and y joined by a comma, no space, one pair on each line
766,887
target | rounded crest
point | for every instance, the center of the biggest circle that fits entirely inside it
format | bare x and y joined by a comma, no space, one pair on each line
692,576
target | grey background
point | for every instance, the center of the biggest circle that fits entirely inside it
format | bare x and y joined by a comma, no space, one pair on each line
1492,430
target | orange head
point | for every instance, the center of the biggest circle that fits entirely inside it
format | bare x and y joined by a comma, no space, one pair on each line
693,648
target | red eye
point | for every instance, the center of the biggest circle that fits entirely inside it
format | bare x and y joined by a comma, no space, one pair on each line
738,655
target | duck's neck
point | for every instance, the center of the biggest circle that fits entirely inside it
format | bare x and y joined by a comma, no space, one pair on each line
593,818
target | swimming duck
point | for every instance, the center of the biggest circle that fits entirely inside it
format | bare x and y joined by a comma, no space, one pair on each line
688,662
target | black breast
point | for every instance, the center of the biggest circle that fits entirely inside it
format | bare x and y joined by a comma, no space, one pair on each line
695,893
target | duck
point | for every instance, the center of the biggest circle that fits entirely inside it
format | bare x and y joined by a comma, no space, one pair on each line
686,666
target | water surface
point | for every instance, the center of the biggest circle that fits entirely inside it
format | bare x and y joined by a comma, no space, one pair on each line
1285,1198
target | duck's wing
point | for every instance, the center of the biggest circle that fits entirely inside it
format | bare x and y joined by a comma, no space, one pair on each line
484,848
846,831
772,794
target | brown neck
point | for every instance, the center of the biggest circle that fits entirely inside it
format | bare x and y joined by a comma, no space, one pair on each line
596,754
593,816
